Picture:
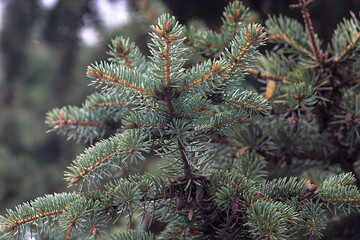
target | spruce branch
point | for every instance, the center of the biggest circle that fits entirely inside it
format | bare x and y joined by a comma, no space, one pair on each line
132,235
150,10
251,166
145,119
340,192
270,220
250,100
114,78
49,206
235,17
224,122
63,122
314,220
235,14
349,48
345,38
127,54
310,31
242,48
166,50
203,74
116,103
78,123
264,75
288,31
189,115
115,151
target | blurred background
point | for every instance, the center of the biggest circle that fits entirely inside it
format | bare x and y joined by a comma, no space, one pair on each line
45,47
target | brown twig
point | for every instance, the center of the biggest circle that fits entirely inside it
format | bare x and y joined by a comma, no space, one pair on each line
95,165
186,164
290,42
123,53
348,48
215,71
68,231
256,39
244,103
196,111
310,30
63,122
100,75
239,120
13,225
108,104
264,75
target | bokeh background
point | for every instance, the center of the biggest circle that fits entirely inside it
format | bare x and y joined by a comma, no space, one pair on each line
45,47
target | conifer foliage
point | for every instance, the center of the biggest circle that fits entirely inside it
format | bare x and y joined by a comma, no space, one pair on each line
186,115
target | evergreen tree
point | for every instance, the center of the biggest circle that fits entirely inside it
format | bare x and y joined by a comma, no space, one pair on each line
231,161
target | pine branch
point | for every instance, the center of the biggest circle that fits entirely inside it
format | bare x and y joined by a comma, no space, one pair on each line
250,100
150,10
345,38
284,188
114,151
288,31
243,46
177,112
310,30
314,219
147,120
225,121
340,191
235,17
349,48
264,75
127,54
79,123
235,14
132,235
202,74
49,206
166,51
118,78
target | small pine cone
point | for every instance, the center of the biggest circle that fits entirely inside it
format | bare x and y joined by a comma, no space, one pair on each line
308,115
294,122
321,119
341,133
260,195
235,205
182,200
199,195
304,203
349,121
311,187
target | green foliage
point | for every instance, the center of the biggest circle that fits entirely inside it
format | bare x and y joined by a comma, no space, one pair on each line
159,106
289,32
344,36
131,235
284,188
313,219
250,165
271,219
